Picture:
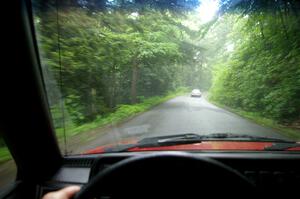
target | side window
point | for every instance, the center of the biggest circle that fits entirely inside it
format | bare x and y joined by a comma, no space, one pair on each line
8,168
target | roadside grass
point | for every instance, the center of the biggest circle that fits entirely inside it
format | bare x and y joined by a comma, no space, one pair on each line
286,131
4,155
123,112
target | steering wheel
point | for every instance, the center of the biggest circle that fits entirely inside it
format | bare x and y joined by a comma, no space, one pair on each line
166,175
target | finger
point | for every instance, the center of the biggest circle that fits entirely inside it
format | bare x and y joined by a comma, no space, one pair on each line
70,191
65,193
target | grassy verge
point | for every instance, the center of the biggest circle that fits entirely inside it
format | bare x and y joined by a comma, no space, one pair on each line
122,113
4,154
288,132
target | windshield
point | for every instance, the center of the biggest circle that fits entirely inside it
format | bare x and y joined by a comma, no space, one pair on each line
117,72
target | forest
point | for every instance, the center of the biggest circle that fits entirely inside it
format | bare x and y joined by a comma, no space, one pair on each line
104,57
118,57
262,73
247,56
103,60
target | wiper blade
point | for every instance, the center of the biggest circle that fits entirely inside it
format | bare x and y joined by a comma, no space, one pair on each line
243,137
190,138
160,141
187,138
281,146
183,138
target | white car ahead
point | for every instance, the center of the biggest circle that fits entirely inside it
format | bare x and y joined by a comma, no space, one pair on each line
196,93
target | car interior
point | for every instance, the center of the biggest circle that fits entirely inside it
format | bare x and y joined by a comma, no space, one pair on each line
41,167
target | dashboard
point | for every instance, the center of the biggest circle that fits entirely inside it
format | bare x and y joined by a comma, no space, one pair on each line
268,171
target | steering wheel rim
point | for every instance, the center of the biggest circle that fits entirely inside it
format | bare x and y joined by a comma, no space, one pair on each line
117,180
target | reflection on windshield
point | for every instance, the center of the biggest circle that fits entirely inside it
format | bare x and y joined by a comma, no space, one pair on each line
127,70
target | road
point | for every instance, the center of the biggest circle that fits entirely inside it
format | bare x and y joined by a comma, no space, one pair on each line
182,114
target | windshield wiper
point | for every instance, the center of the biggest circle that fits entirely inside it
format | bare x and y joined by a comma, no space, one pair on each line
281,146
160,141
190,138
242,137
177,139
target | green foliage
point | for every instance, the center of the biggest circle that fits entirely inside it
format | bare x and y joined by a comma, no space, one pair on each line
4,154
262,74
102,66
287,131
122,112
97,63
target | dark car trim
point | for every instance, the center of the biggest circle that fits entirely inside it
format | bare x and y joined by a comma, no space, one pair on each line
25,118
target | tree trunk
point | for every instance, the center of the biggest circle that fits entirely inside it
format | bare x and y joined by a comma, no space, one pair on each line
93,100
283,25
113,88
133,91
261,25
